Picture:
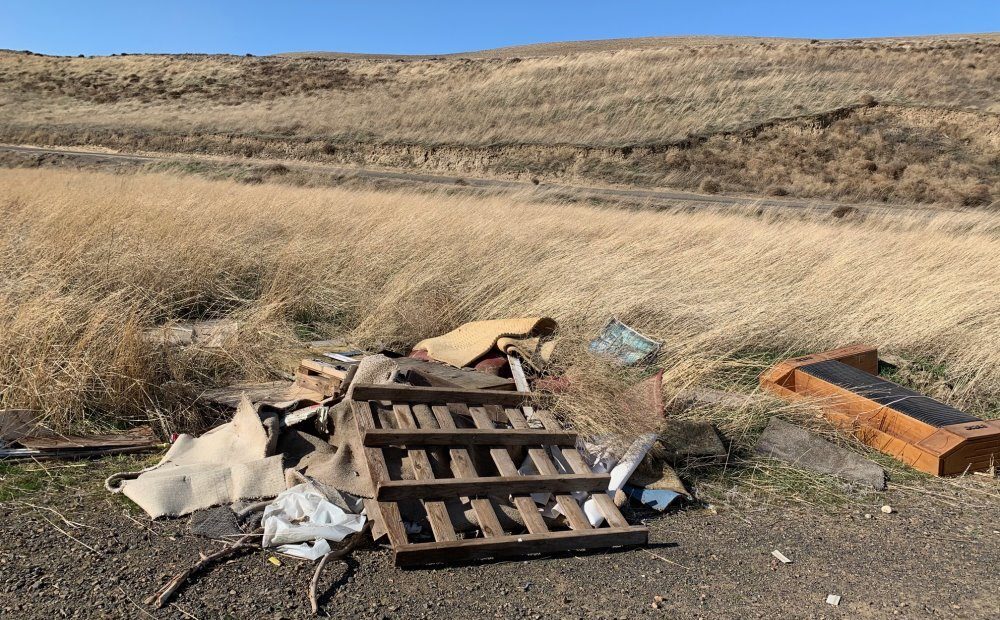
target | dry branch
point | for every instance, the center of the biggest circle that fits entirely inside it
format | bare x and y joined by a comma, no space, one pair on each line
164,594
336,554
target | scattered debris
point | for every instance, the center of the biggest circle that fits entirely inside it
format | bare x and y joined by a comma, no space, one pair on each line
623,344
781,557
833,599
787,442
25,438
657,499
303,514
620,474
920,431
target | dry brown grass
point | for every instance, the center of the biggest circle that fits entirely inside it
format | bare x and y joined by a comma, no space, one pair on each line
605,99
599,98
612,97
88,260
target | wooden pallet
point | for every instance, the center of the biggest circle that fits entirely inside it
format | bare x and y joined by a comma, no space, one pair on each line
425,418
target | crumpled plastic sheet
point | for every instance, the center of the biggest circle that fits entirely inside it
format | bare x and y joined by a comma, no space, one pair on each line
301,520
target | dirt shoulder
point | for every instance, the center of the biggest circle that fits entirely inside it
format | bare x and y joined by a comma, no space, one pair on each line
935,556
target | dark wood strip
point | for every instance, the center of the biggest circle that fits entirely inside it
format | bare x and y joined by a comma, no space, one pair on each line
398,490
520,545
417,394
389,516
466,436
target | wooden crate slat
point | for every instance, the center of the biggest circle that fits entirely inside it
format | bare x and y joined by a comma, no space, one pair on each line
463,467
437,511
389,516
505,465
567,504
519,545
416,394
398,490
604,502
384,437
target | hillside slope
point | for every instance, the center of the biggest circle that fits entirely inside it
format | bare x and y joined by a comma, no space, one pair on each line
738,115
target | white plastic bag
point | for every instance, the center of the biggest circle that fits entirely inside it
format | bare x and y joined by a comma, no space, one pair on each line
301,515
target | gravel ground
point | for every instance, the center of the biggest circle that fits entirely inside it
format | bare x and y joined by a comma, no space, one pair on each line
935,556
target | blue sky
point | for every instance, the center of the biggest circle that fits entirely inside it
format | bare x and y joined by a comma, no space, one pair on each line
415,27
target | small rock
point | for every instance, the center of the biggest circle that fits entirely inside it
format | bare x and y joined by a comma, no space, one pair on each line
887,509
868,516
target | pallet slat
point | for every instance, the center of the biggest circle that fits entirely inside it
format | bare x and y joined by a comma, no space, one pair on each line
415,394
505,465
463,467
437,512
524,544
383,437
398,490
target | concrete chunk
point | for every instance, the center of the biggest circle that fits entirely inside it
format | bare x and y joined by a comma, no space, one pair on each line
798,446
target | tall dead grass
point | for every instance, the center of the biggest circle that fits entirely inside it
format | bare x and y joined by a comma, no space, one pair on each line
88,260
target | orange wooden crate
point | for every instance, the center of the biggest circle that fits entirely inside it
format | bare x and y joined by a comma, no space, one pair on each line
916,429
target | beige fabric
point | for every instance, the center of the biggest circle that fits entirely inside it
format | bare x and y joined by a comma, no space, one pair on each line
462,346
228,463
341,464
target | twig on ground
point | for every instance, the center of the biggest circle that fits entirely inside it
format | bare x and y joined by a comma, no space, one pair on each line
660,557
187,614
336,554
70,536
137,606
164,594
58,514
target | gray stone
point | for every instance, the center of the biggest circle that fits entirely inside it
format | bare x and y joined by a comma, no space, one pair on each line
787,442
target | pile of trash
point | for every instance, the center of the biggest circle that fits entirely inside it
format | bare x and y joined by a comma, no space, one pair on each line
295,468
287,471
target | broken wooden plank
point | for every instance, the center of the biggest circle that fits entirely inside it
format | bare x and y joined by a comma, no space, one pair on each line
415,394
398,490
440,375
142,437
519,545
325,385
466,436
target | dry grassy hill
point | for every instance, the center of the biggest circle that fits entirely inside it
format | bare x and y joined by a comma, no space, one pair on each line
897,120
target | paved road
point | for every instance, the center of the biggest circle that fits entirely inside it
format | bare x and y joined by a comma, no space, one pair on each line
652,196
